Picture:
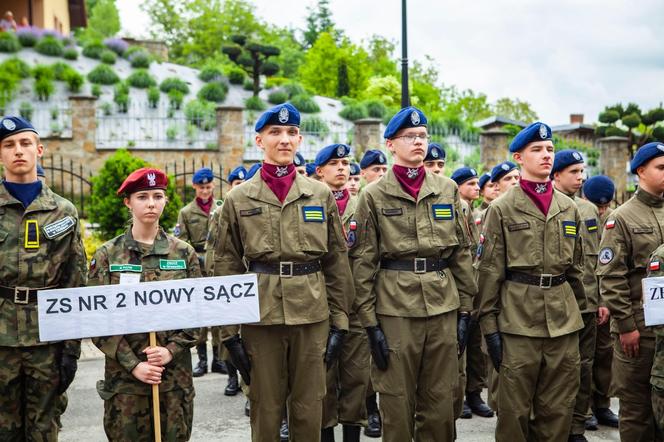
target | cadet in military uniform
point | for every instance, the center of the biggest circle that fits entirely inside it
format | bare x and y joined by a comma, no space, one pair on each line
304,282
353,185
414,284
310,169
41,249
489,191
434,161
567,174
132,365
373,165
348,378
192,228
505,175
631,234
600,190
656,269
531,291
300,164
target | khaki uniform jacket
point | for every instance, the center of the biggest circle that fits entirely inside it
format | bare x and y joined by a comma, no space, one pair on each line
168,259
193,223
590,234
55,259
392,225
518,237
255,226
638,227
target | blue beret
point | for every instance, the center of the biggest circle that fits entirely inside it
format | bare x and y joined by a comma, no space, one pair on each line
463,174
645,153
298,160
333,151
40,171
501,169
485,178
435,152
280,115
535,132
565,158
354,169
599,189
406,117
239,173
373,156
203,176
13,125
310,169
252,171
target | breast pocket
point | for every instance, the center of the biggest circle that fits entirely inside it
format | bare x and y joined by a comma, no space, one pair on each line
443,224
255,228
312,224
644,241
396,232
520,237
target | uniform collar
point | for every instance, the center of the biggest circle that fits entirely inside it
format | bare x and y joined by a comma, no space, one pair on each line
259,190
159,247
648,198
195,208
394,188
44,201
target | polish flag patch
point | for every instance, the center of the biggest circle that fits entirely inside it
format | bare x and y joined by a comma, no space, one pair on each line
654,266
478,221
610,224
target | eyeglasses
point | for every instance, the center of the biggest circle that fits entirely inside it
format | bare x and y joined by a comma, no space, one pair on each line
410,139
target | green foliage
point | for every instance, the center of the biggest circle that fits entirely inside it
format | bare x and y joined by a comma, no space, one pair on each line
236,76
175,98
277,97
103,21
107,56
254,103
70,53
376,109
26,110
630,121
107,108
27,38
319,20
107,208
74,81
9,42
60,69
608,116
103,74
9,83
44,88
515,109
314,125
141,79
171,133
658,133
16,66
132,50
215,91
354,111
293,88
253,58
96,90
248,85
305,104
140,59
210,73
50,45
121,97
93,49
153,97
201,114
171,83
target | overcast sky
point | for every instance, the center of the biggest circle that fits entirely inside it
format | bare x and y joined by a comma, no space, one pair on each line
562,56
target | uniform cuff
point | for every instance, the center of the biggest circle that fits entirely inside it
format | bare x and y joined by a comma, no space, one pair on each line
488,325
626,325
228,331
368,319
340,321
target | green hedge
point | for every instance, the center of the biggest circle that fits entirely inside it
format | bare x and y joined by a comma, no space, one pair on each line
9,42
141,79
50,45
305,104
170,83
215,91
93,50
103,74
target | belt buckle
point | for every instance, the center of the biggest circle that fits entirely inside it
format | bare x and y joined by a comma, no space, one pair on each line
18,291
420,265
543,278
286,269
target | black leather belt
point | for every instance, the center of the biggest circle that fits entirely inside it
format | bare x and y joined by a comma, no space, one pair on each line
199,249
544,281
285,269
20,295
417,265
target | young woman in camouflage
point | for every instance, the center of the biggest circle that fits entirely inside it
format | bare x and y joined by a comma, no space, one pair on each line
132,366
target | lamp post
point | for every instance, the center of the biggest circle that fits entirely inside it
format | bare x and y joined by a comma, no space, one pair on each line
405,96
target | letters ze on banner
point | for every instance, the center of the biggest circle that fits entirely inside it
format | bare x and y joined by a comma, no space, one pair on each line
653,300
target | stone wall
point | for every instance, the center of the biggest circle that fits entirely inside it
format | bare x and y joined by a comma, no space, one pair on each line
493,147
613,161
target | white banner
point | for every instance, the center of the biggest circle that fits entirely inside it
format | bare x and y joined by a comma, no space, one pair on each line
139,307
653,300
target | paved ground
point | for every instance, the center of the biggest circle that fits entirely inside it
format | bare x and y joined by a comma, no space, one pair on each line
216,417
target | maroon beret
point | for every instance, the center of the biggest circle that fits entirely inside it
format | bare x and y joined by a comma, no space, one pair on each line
145,178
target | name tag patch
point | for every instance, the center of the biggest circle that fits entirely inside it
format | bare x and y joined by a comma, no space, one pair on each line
518,226
591,225
442,211
59,227
313,214
642,230
126,268
569,229
251,212
172,264
393,212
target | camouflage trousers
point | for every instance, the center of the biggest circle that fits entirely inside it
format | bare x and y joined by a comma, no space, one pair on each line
29,403
128,417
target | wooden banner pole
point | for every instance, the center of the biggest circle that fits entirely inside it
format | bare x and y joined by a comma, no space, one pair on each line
155,398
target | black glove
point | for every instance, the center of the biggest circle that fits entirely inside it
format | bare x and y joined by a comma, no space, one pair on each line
463,331
239,357
378,345
494,345
335,341
67,369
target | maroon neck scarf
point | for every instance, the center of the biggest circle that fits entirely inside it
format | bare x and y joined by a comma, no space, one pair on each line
205,206
540,194
278,178
341,197
410,178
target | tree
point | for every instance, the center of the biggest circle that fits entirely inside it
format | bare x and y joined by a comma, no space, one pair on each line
515,109
630,121
319,20
253,58
103,20
465,107
381,56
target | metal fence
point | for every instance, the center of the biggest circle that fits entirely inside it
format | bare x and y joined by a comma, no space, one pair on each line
183,171
68,179
50,119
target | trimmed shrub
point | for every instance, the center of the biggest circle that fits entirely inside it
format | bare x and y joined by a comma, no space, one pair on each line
153,97
215,91
107,56
44,88
103,74
132,50
305,104
117,45
354,112
9,42
141,79
122,88
96,90
26,110
314,125
16,66
170,83
70,53
201,114
175,99
60,69
28,37
278,97
140,59
236,76
375,109
210,73
107,108
254,103
43,71
293,88
122,100
248,84
49,45
93,50
74,81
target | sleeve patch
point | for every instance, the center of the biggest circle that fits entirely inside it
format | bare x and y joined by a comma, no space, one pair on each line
605,255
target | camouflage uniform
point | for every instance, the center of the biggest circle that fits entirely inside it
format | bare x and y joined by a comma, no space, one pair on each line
29,368
128,401
656,268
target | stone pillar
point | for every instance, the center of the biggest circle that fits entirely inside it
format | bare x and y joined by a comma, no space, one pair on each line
493,147
84,123
230,136
613,161
367,135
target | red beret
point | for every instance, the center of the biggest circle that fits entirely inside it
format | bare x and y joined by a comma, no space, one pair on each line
145,178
